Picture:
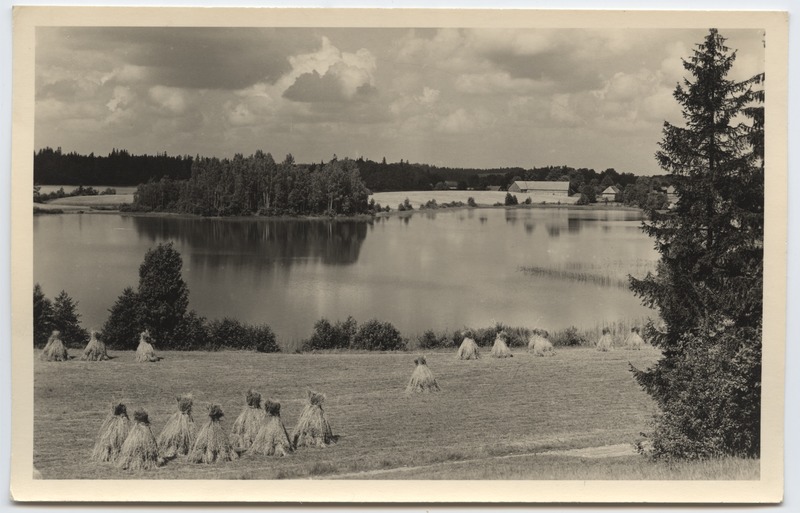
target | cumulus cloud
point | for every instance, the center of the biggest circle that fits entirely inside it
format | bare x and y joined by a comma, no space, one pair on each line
169,98
330,75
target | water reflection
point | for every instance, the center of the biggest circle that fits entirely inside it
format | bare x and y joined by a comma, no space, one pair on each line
238,241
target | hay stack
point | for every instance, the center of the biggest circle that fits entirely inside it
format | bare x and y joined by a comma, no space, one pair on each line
95,350
145,351
272,439
113,433
312,427
212,444
422,379
54,350
140,450
500,348
468,349
249,422
178,435
606,343
634,340
539,344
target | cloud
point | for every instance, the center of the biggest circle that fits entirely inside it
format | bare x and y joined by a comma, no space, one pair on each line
170,98
329,75
462,121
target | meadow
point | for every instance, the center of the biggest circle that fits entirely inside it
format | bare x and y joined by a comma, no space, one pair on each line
523,417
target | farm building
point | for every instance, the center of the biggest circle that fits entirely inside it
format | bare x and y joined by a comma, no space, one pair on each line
610,193
494,188
672,196
544,188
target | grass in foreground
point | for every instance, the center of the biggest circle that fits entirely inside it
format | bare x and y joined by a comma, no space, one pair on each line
487,409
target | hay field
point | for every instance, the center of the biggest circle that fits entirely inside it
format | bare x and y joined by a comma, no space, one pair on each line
483,198
99,201
492,412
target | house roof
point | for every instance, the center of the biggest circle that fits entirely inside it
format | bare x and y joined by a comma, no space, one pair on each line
542,186
493,188
611,190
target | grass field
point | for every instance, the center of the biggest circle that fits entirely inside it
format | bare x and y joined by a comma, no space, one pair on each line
100,201
500,415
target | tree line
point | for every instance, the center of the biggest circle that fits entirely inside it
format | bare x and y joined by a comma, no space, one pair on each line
257,185
120,168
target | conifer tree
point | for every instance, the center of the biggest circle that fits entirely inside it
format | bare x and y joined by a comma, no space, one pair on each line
66,319
708,284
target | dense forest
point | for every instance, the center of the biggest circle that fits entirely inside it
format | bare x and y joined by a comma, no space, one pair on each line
52,167
257,185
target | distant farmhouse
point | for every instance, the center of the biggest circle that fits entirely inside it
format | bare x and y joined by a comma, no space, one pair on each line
672,196
451,185
494,188
610,194
541,188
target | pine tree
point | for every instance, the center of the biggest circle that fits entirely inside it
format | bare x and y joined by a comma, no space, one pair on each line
708,286
66,319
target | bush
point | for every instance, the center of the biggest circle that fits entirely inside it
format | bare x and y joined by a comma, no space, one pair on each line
528,200
430,340
569,337
407,204
192,333
329,336
233,334
471,202
374,335
583,200
511,200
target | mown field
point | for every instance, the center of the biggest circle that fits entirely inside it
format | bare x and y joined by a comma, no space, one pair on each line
493,419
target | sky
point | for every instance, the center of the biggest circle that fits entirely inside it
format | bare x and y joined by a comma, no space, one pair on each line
449,97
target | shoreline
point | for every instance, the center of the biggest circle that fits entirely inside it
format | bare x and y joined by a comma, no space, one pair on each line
45,209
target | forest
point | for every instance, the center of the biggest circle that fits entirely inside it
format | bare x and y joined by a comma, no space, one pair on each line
257,185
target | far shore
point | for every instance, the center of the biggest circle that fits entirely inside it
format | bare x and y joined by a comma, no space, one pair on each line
110,204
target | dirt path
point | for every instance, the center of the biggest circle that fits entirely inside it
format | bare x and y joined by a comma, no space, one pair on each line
604,451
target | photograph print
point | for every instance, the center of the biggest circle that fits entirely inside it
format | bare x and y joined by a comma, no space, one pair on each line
268,252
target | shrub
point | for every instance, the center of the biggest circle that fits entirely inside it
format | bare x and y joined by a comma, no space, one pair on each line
192,333
430,340
407,204
329,336
569,337
528,200
401,208
471,202
378,336
230,333
430,204
583,200
511,199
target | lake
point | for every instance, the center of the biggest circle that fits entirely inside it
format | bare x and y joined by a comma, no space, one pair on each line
536,267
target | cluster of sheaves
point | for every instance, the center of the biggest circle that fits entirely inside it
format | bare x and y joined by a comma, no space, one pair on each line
131,444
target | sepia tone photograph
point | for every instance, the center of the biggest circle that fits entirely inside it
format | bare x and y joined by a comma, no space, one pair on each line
403,249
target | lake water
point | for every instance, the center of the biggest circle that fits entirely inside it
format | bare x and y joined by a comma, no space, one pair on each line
545,267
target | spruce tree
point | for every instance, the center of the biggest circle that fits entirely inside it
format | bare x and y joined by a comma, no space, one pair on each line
708,283
122,328
66,319
42,317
